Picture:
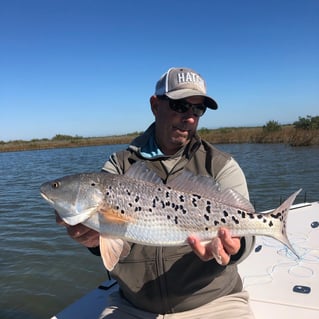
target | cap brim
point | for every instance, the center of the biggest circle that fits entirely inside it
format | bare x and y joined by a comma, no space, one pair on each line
184,93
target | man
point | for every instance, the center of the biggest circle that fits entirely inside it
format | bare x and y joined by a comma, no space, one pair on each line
196,280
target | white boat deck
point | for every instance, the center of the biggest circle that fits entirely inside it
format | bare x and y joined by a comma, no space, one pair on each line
273,273
269,274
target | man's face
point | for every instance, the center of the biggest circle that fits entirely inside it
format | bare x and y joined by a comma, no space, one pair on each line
173,129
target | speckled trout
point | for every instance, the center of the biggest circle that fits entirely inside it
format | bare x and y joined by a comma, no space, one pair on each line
139,208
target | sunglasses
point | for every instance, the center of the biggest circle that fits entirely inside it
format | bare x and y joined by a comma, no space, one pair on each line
182,106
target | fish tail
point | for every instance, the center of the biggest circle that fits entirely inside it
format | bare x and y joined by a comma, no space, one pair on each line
282,213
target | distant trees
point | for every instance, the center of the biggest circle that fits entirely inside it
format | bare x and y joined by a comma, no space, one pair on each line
63,137
307,123
272,126
304,123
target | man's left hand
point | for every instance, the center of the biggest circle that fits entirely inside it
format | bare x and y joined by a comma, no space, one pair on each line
221,247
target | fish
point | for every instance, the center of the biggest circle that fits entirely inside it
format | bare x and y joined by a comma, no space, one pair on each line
137,207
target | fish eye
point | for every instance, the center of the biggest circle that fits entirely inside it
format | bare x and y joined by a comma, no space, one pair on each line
55,185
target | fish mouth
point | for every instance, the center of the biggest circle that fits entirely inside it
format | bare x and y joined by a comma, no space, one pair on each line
47,198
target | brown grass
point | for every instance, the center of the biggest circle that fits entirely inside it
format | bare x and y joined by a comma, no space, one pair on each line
286,134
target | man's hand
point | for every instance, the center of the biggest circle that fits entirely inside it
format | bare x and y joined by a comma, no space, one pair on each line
82,234
221,247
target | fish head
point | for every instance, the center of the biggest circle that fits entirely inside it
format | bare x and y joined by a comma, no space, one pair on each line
75,197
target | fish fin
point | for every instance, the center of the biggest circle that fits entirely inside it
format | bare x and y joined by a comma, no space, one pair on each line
140,171
233,198
188,182
112,249
282,212
78,218
113,216
206,186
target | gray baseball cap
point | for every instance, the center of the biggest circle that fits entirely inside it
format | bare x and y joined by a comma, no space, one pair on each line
180,83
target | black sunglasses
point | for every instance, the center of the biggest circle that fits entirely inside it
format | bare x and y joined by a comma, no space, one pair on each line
182,106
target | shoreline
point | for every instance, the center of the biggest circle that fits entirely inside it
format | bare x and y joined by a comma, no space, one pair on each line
285,135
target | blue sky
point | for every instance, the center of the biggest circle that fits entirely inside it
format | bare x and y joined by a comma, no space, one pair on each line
88,67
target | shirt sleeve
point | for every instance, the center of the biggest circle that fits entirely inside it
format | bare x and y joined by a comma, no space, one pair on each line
232,176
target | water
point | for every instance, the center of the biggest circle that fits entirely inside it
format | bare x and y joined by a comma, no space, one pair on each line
42,270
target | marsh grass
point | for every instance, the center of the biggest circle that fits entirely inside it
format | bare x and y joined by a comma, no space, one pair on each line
284,134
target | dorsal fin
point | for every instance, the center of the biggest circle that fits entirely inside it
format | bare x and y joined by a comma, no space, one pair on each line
188,182
140,171
206,186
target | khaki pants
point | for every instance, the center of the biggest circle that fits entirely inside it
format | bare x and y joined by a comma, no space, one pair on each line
228,307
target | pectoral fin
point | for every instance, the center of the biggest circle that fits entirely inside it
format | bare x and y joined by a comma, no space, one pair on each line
112,249
112,216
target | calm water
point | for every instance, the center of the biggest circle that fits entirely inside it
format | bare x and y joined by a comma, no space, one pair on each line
42,270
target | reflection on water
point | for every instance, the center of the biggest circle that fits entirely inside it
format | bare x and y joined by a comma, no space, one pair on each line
43,270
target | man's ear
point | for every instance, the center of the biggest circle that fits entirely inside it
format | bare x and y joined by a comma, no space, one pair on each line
154,104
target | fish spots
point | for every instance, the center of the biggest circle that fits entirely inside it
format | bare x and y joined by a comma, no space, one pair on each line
195,199
271,224
216,222
235,220
182,198
251,215
194,202
223,220
277,216
154,201
175,219
137,198
208,207
242,213
206,217
175,207
225,213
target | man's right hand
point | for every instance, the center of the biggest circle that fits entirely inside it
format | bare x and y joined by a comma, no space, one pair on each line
82,234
